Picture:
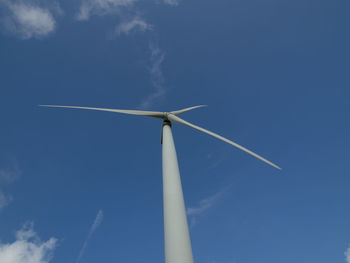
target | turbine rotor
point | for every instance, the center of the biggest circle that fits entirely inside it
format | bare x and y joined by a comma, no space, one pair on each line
172,116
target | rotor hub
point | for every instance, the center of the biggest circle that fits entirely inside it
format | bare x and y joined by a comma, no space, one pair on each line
166,122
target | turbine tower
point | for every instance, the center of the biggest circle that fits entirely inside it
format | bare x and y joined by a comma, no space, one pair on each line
177,241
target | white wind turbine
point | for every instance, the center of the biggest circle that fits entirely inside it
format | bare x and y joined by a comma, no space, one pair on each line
177,241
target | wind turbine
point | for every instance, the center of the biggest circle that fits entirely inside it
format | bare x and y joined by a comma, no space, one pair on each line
177,241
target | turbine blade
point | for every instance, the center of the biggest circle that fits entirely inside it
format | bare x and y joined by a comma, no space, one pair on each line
155,114
178,112
181,121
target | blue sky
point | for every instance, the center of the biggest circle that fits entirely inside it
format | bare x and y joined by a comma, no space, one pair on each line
85,186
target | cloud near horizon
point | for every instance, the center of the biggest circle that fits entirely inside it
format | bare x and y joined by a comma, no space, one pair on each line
27,248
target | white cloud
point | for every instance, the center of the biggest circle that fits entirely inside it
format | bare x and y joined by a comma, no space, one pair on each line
204,205
29,20
101,7
95,225
347,255
156,74
27,248
132,25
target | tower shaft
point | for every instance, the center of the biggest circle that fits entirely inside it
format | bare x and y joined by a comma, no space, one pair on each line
177,241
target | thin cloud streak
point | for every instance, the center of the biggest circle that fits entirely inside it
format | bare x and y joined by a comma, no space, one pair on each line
95,225
204,205
156,74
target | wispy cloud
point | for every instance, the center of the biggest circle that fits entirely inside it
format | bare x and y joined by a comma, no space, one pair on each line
8,176
347,255
135,24
4,200
101,7
126,9
171,2
156,74
95,225
36,19
89,8
27,248
27,19
204,205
